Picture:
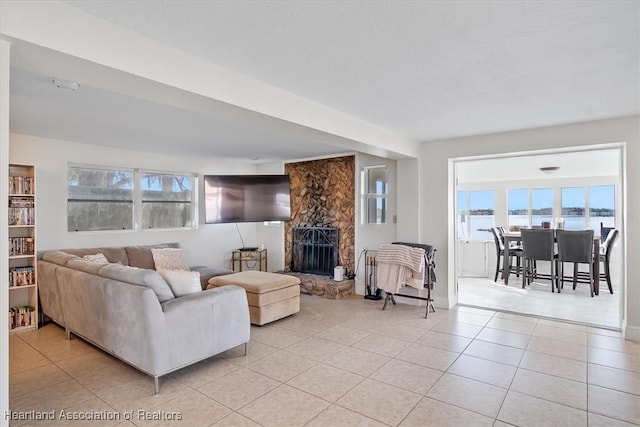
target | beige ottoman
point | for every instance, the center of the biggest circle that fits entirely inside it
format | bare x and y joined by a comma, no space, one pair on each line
271,296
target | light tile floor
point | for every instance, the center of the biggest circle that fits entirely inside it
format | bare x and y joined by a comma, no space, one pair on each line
347,363
538,300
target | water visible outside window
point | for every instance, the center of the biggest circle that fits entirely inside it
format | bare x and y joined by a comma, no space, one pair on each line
573,208
542,206
601,207
481,214
475,214
518,199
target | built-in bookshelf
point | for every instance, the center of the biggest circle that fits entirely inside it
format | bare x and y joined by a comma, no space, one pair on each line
22,274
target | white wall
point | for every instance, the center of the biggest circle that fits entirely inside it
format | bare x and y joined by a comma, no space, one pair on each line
272,235
370,236
209,244
437,188
409,202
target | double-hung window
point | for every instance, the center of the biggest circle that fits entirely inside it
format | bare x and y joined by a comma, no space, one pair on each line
100,198
166,200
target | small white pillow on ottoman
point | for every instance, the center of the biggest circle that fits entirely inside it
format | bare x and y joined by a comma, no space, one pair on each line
181,282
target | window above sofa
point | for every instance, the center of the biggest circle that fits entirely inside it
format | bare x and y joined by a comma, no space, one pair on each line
108,198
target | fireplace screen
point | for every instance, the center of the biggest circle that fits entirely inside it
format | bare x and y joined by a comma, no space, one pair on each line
314,250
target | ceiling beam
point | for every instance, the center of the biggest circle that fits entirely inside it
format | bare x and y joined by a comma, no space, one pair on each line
63,28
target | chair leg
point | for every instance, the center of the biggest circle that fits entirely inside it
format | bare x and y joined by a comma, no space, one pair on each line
607,274
495,279
575,275
591,281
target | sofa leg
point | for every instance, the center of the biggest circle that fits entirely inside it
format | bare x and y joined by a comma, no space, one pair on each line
68,334
156,384
245,348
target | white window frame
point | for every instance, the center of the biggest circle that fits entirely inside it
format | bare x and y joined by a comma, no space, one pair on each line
137,220
138,205
367,195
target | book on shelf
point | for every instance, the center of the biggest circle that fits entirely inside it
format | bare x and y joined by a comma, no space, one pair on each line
22,276
21,202
21,185
24,315
21,216
21,246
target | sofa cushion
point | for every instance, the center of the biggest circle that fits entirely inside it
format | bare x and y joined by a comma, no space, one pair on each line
98,258
113,254
58,257
84,265
169,259
141,256
138,276
181,282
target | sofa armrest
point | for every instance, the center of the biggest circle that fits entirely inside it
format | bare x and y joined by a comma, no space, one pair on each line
205,323
124,319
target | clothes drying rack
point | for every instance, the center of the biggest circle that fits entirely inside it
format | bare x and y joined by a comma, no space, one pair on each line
371,286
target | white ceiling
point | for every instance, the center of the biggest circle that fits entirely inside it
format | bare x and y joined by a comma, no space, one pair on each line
424,70
574,164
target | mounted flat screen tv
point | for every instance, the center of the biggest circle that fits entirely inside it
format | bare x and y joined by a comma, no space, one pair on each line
246,198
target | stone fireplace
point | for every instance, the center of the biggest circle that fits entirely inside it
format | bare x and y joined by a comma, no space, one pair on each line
322,198
323,195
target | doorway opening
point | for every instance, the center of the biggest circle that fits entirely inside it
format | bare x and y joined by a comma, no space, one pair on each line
576,190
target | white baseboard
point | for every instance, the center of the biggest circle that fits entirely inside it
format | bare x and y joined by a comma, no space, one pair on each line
632,333
442,303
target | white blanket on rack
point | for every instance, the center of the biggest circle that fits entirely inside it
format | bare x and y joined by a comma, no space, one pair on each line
400,265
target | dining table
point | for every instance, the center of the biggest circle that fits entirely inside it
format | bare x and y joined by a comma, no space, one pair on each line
515,237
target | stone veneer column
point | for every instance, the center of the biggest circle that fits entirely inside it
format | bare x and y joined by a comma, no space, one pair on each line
323,195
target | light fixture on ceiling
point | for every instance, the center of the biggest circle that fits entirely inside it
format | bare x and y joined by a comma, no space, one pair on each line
65,84
549,169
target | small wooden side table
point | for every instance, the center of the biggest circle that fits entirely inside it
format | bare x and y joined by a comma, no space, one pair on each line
249,260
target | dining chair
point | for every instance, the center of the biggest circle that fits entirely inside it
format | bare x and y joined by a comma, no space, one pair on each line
498,239
538,245
604,231
576,247
605,257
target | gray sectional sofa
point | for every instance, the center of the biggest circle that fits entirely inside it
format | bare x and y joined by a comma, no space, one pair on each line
129,311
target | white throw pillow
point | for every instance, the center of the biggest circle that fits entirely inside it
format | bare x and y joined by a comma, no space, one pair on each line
98,258
181,282
169,259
